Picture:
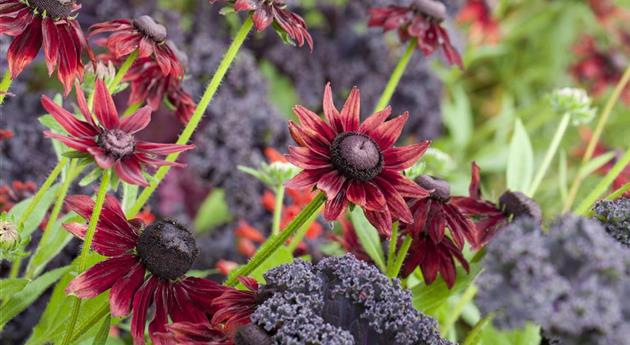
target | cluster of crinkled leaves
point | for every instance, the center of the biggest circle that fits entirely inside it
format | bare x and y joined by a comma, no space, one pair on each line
573,281
341,301
615,216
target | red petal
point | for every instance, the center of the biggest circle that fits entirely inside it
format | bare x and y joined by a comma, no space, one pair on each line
70,66
331,184
474,190
161,149
244,5
400,158
306,178
71,124
100,277
335,207
306,159
141,302
160,315
351,111
356,193
51,44
382,221
387,133
138,121
373,121
75,143
404,186
332,114
262,18
83,106
124,289
104,106
130,171
374,198
25,47
103,160
395,201
314,122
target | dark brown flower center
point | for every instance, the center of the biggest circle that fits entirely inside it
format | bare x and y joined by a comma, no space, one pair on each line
167,249
356,156
117,143
430,8
439,189
518,204
150,28
251,334
53,8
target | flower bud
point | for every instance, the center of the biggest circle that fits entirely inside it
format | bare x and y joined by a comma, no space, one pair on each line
9,236
575,102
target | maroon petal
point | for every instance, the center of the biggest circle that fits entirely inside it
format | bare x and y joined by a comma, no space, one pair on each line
436,222
156,162
401,158
262,18
306,179
395,201
104,106
306,159
83,106
71,124
474,189
17,22
124,289
100,277
313,121
387,133
75,143
141,302
311,139
351,111
331,112
160,316
51,44
130,171
420,211
192,295
138,121
356,193
403,185
161,149
374,198
331,184
334,207
103,160
373,121
244,5
70,66
382,221
25,47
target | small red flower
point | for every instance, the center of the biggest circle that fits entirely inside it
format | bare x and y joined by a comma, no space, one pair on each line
148,84
355,163
265,12
111,141
421,20
5,134
48,23
144,35
164,249
434,258
483,28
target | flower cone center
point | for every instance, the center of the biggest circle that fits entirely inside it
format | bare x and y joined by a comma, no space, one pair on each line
431,8
356,156
117,143
439,189
167,249
150,28
54,8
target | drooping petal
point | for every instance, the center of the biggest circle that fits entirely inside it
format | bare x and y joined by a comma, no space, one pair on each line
374,198
395,201
331,183
262,18
103,160
141,303
25,47
160,314
306,178
130,171
124,289
104,106
50,43
161,149
334,207
100,277
71,124
356,193
382,221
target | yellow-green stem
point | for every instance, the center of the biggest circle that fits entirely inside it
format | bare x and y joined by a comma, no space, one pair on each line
5,84
277,210
87,243
120,74
394,79
400,257
132,109
575,187
54,214
276,241
185,136
455,312
299,235
88,324
551,152
391,253
619,192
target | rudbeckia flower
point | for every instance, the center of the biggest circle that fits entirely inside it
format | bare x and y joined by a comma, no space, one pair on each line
145,268
48,23
422,20
355,163
267,12
111,141
144,35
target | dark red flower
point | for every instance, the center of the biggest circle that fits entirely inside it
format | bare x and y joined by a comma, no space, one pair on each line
144,35
149,85
164,249
483,28
111,141
189,333
48,23
265,12
355,163
421,20
434,258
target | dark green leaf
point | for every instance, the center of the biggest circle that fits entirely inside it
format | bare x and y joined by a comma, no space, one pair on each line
368,237
213,212
47,251
36,217
428,298
10,286
103,332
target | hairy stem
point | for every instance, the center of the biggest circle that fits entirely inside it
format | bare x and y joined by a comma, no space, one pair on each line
87,243
277,210
394,79
5,84
276,241
299,235
185,136
551,152
575,187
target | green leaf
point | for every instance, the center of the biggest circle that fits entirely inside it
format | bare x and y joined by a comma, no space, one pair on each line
76,154
103,332
38,214
458,117
47,251
49,122
53,323
474,337
428,298
92,176
213,212
130,195
280,257
368,237
520,166
29,294
529,335
10,286
596,163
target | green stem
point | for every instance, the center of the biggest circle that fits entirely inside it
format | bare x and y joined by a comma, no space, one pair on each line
391,253
132,109
401,256
88,324
604,184
551,152
596,135
87,243
455,312
299,235
120,74
5,84
54,214
619,192
184,137
394,79
277,210
275,242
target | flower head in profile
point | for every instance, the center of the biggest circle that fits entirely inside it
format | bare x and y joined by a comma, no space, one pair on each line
111,141
483,28
267,12
48,23
145,268
355,163
143,35
422,21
